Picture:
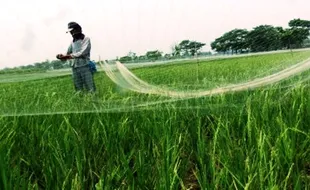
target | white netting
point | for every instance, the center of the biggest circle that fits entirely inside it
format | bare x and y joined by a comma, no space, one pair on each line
128,87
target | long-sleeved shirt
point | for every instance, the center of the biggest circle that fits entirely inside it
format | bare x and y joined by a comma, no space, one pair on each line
80,52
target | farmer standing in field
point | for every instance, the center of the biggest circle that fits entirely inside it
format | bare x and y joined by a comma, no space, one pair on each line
79,51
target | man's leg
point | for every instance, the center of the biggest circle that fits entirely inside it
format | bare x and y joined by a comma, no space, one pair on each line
88,79
77,79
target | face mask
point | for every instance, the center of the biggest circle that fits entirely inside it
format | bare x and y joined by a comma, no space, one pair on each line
78,36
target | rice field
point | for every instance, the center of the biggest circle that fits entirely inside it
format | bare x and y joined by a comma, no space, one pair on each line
51,138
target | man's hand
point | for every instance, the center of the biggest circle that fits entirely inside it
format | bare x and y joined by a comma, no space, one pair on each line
63,57
59,56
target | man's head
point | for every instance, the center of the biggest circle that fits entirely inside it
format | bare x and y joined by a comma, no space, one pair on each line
74,28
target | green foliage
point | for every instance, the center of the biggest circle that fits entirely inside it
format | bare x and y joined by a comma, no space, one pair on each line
130,57
256,139
20,71
298,36
142,57
234,41
187,47
38,67
263,38
299,23
125,59
153,55
57,64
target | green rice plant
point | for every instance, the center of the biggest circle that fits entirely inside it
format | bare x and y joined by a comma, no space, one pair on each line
254,139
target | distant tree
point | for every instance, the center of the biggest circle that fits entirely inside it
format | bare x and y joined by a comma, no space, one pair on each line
298,23
205,53
132,55
264,38
184,47
299,31
47,65
194,47
167,56
306,42
176,50
57,64
286,38
220,45
125,59
234,41
142,57
39,66
187,47
295,36
153,55
299,35
27,67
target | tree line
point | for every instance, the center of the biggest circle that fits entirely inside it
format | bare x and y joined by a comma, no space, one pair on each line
260,38
184,49
264,38
37,67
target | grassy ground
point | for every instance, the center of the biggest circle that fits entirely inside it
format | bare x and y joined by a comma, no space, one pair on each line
256,139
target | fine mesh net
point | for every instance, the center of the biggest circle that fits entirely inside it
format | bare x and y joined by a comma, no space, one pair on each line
179,78
188,99
183,84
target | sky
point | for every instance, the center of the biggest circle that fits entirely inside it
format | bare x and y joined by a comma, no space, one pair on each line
34,30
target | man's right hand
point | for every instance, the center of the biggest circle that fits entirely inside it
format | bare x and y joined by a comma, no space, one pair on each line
59,56
62,57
